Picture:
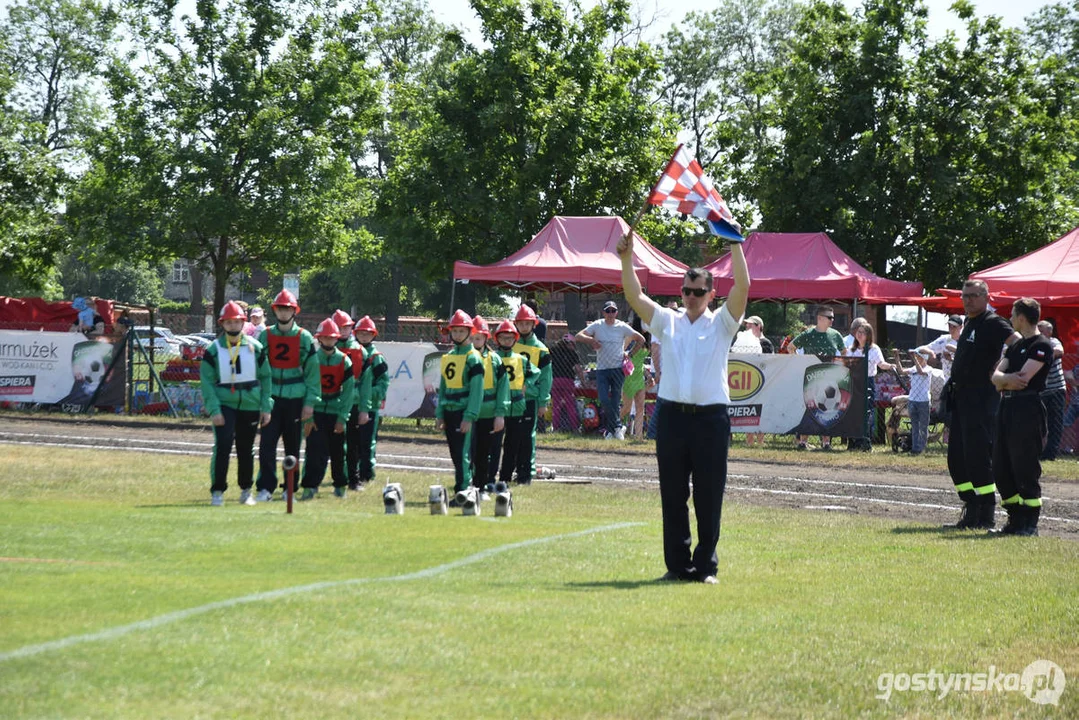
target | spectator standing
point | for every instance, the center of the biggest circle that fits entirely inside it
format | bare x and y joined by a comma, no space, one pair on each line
1055,394
848,339
633,387
609,337
920,399
257,322
756,326
821,339
864,346
566,371
944,346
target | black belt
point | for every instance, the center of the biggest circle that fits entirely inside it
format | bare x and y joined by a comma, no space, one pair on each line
1020,393
695,409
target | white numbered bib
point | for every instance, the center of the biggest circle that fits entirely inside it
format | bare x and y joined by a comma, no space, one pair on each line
240,370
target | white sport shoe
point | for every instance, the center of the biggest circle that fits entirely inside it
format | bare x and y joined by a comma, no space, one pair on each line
217,499
245,498
620,433
264,496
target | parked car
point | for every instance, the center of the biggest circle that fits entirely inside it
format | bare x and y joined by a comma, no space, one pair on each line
160,337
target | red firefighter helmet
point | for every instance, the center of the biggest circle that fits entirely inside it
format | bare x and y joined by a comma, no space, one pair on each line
328,328
341,318
231,311
461,319
507,327
366,324
525,313
480,327
285,298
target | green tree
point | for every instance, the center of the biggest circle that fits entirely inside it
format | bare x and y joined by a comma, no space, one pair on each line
234,140
137,283
546,121
50,55
720,73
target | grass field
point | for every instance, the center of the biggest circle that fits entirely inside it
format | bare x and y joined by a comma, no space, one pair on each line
123,594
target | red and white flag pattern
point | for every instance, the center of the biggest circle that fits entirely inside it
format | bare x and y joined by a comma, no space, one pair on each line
685,188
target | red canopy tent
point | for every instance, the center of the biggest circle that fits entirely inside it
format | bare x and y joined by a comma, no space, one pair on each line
1049,274
808,266
578,254
38,314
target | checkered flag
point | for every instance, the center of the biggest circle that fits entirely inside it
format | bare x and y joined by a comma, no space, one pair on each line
685,188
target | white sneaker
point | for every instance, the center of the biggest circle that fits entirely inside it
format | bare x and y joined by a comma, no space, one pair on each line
245,498
620,433
217,499
264,496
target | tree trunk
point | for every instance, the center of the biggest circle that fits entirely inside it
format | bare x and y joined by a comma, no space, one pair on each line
393,300
221,277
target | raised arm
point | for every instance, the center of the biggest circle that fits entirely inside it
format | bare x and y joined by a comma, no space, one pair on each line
739,295
643,305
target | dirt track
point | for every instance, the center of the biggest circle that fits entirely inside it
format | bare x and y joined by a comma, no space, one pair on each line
809,485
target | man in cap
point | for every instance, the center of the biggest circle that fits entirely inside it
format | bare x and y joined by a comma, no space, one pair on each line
609,337
756,326
940,346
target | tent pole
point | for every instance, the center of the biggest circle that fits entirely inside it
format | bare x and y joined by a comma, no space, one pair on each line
453,288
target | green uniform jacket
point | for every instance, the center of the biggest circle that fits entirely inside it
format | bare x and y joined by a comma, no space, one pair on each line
358,355
519,372
461,383
380,378
338,385
293,365
496,386
250,395
540,388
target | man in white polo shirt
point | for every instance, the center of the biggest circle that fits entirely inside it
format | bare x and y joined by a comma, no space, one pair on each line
694,429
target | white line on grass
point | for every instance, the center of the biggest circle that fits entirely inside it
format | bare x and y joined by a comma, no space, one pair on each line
167,618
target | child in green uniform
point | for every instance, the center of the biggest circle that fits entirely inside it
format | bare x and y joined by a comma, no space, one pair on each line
377,379
294,385
496,393
460,394
513,444
538,394
345,450
327,425
235,385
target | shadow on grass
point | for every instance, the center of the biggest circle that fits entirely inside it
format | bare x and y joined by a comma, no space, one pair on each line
188,504
946,533
627,584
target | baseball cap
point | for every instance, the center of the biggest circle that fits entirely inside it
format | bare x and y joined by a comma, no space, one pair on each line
955,320
257,311
610,305
756,321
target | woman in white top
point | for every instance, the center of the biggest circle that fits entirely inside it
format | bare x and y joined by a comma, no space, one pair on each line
864,346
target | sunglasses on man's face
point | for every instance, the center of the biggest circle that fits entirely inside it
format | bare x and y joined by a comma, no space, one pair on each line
695,292
610,310
828,317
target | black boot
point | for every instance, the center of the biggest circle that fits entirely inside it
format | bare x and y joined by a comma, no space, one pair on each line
1015,521
966,519
985,511
1030,524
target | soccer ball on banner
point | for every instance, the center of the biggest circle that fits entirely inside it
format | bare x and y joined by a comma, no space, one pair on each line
829,398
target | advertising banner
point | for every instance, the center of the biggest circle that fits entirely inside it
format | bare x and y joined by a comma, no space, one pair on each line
802,394
59,368
413,370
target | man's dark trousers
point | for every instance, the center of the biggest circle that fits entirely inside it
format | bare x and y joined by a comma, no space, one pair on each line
692,444
970,444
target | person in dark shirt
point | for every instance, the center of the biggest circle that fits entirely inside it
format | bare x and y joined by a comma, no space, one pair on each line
972,401
566,370
1021,421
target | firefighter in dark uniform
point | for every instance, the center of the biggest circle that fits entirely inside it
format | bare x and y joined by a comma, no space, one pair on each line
972,401
1021,421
